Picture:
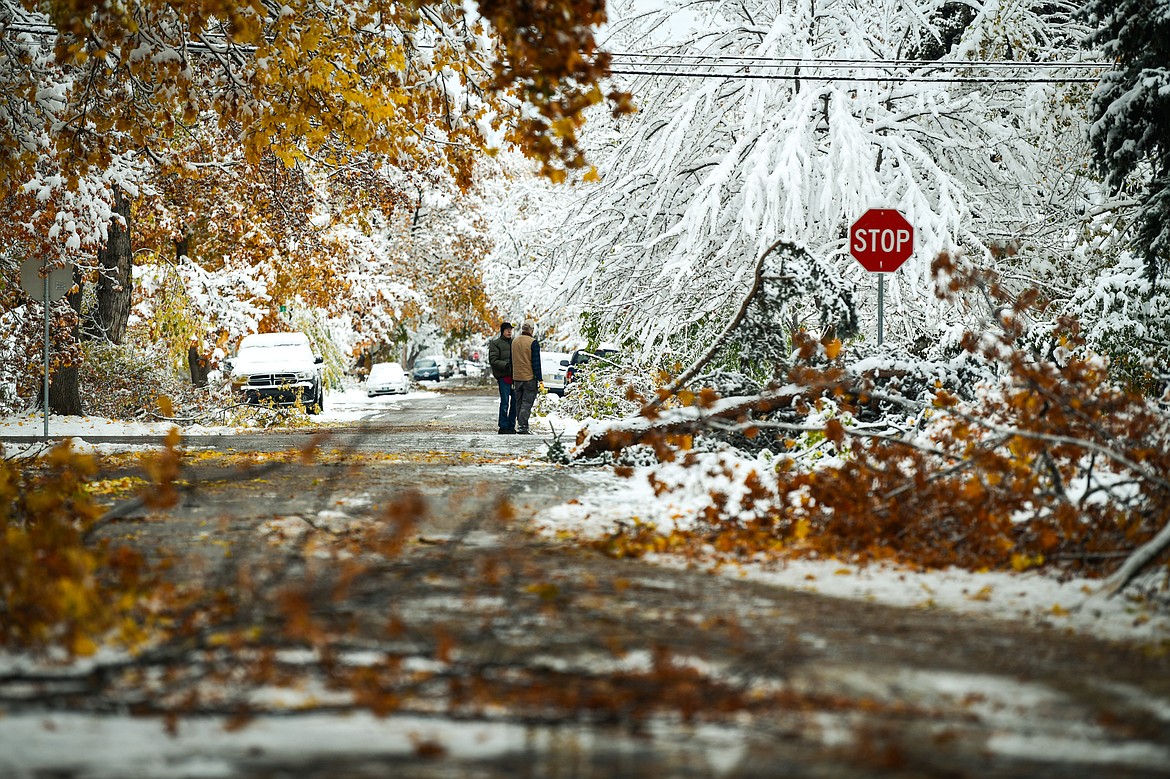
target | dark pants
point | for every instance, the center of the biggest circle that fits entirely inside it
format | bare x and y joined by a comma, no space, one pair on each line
525,397
507,406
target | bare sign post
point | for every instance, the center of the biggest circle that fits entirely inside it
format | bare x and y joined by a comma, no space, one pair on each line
46,285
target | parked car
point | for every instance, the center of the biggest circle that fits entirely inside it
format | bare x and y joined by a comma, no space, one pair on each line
279,367
582,356
387,378
553,365
446,367
472,369
425,369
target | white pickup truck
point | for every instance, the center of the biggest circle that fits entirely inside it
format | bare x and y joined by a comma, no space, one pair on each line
553,365
280,367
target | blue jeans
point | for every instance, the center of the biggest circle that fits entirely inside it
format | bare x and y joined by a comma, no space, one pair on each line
507,406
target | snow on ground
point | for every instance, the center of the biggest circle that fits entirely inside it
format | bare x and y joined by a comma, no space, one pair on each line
547,416
121,746
1032,596
347,405
78,427
352,404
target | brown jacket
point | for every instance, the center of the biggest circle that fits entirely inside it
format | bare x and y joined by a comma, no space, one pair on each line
525,359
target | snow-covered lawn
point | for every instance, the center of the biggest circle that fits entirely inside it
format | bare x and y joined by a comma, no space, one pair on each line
346,405
77,427
1030,596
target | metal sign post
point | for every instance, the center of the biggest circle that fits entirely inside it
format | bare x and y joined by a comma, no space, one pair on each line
45,305
46,285
881,307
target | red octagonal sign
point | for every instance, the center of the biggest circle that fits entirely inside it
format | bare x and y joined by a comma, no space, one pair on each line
881,240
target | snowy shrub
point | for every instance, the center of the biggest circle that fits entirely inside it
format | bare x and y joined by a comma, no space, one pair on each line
326,343
1125,314
126,382
603,391
21,337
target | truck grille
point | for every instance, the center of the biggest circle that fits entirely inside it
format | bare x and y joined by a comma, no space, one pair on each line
271,379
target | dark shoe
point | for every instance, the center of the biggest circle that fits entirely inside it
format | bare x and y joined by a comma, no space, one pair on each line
523,432
507,431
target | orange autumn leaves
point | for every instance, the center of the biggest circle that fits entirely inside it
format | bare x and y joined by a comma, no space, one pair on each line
1049,464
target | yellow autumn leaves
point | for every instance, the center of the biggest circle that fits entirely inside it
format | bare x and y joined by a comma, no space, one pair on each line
58,589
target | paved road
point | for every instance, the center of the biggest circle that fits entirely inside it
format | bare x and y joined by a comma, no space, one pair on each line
584,666
456,421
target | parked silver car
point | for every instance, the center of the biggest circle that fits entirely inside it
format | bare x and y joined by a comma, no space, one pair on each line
387,378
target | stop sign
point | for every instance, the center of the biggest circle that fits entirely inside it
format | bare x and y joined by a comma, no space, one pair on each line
881,240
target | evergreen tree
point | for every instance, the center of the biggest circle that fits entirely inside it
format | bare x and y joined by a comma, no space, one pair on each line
1129,130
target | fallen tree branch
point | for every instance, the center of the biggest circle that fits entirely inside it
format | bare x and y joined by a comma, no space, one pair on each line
628,432
1136,562
681,380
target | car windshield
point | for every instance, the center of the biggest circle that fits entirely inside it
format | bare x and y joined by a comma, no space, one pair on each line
584,356
385,371
425,364
293,352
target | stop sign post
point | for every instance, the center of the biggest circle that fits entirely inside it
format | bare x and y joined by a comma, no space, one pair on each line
881,240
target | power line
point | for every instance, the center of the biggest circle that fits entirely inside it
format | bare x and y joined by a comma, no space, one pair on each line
728,60
856,79
770,68
726,66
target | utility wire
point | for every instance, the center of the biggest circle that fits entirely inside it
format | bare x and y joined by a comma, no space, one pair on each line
854,79
849,70
725,60
722,65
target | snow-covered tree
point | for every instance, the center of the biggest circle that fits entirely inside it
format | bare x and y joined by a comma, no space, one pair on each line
106,106
713,170
371,258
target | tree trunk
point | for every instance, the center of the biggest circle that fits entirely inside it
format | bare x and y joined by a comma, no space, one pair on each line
64,383
198,365
114,286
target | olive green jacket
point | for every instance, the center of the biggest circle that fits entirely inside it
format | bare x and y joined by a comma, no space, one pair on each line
500,356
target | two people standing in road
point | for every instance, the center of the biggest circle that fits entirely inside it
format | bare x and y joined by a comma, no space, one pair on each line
500,361
515,363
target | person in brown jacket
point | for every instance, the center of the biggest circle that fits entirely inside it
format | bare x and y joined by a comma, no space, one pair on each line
526,375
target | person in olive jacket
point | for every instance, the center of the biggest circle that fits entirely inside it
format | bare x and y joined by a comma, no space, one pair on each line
500,360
